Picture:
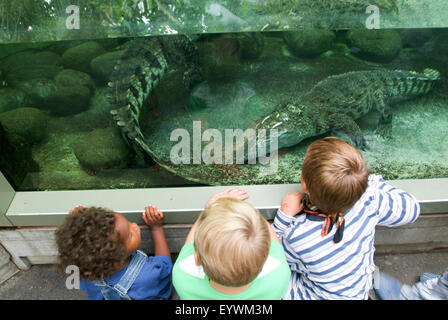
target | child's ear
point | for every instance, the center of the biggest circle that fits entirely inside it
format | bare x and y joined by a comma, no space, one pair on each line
196,259
303,185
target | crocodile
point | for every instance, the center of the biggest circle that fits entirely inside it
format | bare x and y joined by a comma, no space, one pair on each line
337,101
139,69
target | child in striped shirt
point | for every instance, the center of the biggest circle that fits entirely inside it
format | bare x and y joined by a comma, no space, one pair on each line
327,230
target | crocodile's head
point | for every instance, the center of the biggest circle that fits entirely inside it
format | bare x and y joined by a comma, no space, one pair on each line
287,124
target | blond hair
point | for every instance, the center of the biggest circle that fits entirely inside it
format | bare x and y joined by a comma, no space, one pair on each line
232,241
335,174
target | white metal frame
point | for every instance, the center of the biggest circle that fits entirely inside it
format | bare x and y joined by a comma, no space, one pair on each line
6,196
180,205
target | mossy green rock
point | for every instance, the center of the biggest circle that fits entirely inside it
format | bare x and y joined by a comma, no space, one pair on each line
69,100
11,98
18,75
103,65
28,123
80,56
38,90
102,149
309,43
69,77
62,100
251,43
375,45
29,59
16,158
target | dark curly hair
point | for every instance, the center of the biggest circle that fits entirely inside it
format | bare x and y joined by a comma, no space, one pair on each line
88,240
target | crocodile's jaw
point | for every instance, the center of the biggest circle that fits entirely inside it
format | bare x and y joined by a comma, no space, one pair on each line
286,126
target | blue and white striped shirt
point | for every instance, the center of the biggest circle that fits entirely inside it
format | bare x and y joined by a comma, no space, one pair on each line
322,269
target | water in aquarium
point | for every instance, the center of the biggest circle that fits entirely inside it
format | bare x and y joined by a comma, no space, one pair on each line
221,108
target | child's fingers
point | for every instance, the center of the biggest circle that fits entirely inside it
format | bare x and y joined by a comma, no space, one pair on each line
145,217
227,191
149,214
154,214
239,193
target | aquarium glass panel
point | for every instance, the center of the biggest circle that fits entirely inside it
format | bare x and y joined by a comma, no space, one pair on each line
136,102
55,20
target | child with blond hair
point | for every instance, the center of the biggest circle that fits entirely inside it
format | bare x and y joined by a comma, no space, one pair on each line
327,229
231,252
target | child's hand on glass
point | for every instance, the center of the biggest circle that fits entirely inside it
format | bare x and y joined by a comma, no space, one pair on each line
292,203
153,217
237,193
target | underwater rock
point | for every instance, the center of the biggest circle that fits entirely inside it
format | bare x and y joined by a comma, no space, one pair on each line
103,65
16,160
29,59
416,38
309,43
111,43
14,77
60,99
237,96
69,77
222,55
11,98
102,149
79,57
28,123
437,46
68,100
98,114
374,45
38,90
252,44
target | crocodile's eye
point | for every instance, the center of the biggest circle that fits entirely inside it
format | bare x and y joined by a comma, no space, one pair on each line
291,107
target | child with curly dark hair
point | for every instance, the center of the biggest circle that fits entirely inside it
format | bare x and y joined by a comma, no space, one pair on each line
103,244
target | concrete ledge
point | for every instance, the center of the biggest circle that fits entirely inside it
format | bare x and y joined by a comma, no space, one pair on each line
7,267
36,245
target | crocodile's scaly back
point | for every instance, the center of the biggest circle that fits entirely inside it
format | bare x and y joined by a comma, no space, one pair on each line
357,93
138,71
337,101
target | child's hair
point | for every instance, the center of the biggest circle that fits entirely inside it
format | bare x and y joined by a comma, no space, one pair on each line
232,241
335,174
88,240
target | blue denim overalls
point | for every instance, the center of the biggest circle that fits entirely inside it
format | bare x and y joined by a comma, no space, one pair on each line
120,290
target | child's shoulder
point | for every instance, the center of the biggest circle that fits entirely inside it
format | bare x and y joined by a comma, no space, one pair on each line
375,179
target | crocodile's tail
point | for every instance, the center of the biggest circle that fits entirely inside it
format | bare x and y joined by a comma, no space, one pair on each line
416,84
138,71
432,74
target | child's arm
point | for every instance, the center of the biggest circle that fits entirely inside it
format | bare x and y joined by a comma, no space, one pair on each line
272,232
290,207
396,207
154,219
190,236
237,193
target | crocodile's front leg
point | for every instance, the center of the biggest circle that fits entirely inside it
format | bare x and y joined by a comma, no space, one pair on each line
181,51
345,123
384,128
